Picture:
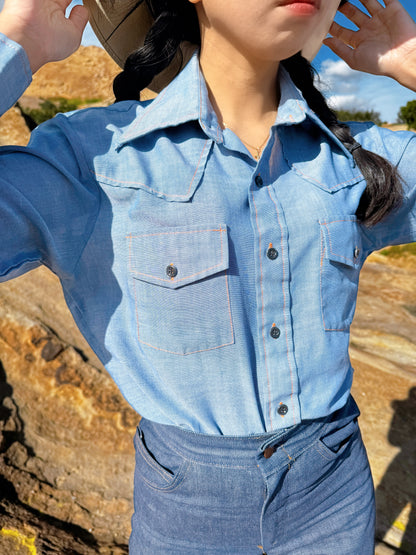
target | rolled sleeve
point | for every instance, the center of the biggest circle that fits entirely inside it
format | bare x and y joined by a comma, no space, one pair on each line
15,72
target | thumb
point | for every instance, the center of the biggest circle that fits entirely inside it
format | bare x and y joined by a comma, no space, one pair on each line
79,17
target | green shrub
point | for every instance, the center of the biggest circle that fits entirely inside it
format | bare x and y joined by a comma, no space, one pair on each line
49,107
407,114
400,250
359,115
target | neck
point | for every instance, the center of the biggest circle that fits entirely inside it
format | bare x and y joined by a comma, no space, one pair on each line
243,91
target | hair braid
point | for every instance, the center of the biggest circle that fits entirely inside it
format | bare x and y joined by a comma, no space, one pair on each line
384,190
174,22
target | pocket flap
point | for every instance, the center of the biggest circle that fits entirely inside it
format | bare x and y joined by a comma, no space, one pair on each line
158,164
342,240
174,257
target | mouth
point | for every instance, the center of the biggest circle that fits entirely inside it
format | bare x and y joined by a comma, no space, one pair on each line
302,7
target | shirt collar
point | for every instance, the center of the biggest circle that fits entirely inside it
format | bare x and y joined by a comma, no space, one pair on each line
293,109
186,99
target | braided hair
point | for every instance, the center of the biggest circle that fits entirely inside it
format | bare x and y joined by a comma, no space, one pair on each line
176,21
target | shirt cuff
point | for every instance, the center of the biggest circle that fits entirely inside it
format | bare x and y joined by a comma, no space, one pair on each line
15,72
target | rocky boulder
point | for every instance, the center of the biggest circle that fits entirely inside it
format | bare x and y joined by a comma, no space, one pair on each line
66,453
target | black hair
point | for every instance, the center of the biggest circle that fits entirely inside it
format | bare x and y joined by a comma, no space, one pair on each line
176,21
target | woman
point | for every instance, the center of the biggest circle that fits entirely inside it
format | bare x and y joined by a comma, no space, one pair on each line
209,244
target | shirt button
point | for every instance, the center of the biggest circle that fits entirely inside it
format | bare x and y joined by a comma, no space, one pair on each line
283,409
259,181
272,253
171,271
356,253
275,332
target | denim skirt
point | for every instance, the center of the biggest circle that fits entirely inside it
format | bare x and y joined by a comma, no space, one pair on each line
305,490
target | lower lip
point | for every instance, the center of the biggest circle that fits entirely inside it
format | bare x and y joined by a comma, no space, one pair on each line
302,8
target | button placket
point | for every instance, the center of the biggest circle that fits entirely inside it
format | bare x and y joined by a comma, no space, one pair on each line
277,379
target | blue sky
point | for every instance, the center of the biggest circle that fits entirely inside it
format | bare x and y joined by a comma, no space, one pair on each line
344,87
353,89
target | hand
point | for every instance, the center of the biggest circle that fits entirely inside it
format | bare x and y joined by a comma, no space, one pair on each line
41,27
385,43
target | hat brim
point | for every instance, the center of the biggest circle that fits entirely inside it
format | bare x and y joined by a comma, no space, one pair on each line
122,26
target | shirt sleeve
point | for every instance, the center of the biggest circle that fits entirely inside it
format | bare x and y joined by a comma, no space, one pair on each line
399,226
48,203
48,200
15,72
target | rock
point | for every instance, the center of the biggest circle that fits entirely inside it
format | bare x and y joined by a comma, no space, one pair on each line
13,130
66,452
87,74
383,353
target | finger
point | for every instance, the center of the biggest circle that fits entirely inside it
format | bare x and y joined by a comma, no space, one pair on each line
341,50
79,17
354,14
348,36
63,4
373,6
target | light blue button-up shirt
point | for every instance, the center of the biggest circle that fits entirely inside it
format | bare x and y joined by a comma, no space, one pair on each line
218,291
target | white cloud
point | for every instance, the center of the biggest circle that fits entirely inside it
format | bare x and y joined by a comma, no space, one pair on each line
337,78
353,90
346,102
338,69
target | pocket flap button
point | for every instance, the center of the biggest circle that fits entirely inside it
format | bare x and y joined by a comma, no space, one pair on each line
356,253
171,271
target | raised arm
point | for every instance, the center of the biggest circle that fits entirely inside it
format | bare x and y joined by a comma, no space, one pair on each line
40,26
48,197
384,44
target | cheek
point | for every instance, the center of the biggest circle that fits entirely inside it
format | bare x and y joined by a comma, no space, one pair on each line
326,16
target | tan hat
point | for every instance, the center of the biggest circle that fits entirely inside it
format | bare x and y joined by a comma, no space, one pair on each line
121,27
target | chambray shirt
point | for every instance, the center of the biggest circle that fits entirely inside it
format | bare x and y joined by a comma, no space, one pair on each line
218,291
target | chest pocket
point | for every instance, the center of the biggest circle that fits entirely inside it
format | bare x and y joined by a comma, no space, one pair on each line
180,285
341,261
